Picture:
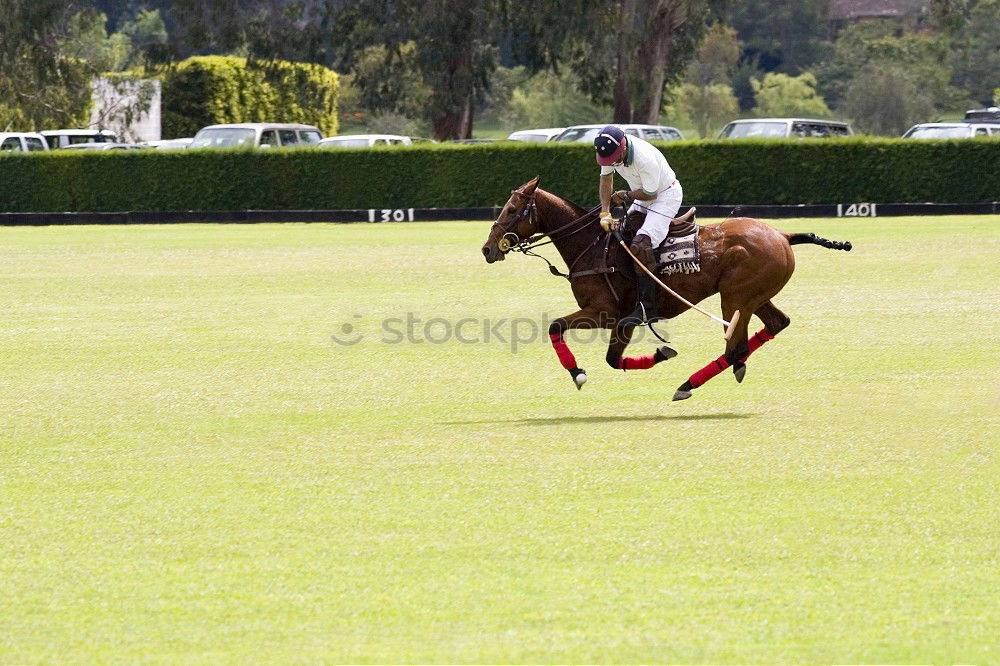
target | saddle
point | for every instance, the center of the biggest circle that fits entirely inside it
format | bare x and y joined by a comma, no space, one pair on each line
678,253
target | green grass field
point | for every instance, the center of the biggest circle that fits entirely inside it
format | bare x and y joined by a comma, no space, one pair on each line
193,471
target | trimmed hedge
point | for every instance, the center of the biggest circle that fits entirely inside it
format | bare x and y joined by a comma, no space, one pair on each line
733,172
206,90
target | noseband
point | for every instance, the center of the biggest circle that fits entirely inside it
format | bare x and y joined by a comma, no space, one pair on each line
510,240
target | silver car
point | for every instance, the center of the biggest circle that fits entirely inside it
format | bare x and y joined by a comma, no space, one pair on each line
587,133
256,135
784,128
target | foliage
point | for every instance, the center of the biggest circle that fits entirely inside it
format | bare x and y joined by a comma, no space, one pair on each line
40,85
388,80
886,100
631,51
706,106
783,95
706,98
394,123
716,58
786,36
215,89
440,175
877,43
88,41
549,99
976,57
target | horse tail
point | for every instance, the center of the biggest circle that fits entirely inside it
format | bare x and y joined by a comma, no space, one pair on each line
797,239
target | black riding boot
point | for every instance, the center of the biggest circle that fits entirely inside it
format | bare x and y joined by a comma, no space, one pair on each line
645,308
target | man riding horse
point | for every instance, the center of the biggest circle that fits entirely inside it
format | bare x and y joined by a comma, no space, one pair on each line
656,196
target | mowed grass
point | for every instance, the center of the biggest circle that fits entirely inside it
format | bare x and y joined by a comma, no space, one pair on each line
193,471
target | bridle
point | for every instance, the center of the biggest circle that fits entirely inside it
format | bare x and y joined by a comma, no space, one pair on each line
511,241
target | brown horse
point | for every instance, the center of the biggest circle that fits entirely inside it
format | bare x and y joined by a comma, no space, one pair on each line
743,259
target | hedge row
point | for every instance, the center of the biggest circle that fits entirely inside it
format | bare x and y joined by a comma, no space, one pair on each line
737,172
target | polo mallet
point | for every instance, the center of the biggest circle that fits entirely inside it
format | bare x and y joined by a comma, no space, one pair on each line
730,325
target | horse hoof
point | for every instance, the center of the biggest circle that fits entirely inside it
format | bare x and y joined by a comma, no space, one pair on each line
664,353
740,371
681,394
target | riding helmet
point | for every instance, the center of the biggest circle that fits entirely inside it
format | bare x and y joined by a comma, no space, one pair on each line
610,145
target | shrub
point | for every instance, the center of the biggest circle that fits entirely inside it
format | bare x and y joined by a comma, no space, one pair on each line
712,172
206,90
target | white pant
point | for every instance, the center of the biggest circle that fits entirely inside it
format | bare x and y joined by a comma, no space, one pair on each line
659,212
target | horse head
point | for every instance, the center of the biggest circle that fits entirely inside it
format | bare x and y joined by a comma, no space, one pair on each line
517,222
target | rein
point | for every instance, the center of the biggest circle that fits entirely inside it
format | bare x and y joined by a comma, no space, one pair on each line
523,245
512,242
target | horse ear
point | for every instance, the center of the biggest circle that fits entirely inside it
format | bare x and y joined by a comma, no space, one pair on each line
530,186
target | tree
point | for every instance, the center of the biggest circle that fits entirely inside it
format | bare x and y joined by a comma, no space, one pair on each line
784,95
389,81
976,56
786,36
39,85
550,99
706,98
886,100
633,49
705,106
879,44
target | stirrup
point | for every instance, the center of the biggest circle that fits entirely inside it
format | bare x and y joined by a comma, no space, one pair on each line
639,316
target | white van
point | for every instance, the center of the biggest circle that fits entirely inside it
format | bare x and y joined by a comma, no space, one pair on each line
365,141
587,133
545,134
21,142
256,135
784,128
61,138
960,130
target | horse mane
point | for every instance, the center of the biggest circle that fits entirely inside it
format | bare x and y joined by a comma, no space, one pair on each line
577,209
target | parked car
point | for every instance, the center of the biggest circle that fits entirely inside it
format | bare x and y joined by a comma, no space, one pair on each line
256,135
63,138
988,115
546,134
365,141
22,142
77,147
481,140
959,130
783,128
168,144
587,133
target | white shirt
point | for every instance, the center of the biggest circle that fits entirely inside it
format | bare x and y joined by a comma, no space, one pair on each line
646,168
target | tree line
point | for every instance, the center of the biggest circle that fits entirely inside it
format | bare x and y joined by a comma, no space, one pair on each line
441,64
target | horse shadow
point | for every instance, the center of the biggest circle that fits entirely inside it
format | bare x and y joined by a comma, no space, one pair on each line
610,418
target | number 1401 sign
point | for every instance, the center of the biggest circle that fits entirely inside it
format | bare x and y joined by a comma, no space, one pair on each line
856,210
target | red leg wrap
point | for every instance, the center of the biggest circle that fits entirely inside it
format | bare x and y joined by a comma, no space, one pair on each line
562,351
637,362
720,364
709,371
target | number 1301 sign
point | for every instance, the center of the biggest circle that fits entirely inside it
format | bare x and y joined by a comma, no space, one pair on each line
390,215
